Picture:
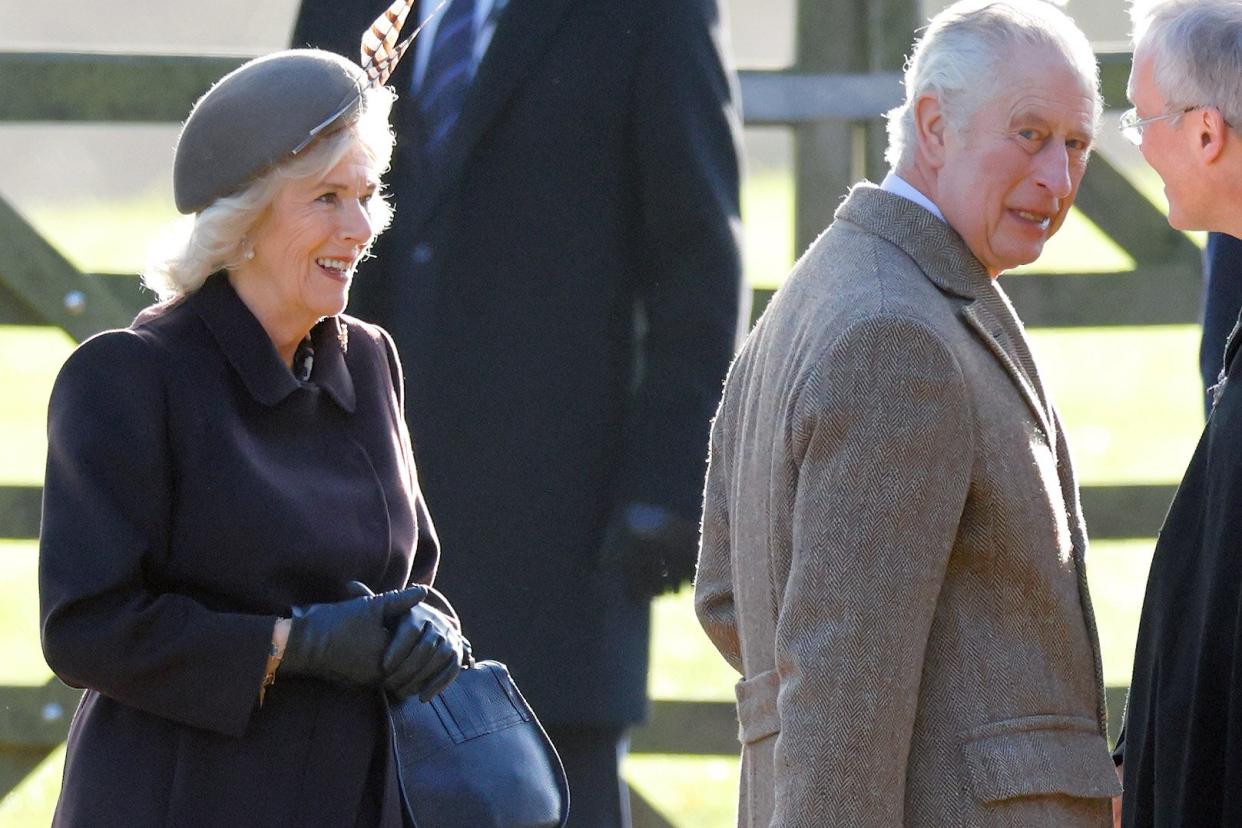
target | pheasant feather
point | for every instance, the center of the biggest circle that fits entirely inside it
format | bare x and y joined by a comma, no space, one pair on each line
380,49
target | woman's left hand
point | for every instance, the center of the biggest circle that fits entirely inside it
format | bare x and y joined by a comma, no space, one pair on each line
425,655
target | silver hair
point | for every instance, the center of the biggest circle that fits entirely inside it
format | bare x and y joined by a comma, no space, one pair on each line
193,247
958,57
1196,48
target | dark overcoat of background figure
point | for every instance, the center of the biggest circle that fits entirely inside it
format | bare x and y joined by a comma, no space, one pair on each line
563,286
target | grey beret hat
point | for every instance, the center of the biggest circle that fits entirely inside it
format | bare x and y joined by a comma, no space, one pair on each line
257,115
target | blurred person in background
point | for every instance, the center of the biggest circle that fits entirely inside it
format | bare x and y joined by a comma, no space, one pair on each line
893,550
1180,751
562,281
229,477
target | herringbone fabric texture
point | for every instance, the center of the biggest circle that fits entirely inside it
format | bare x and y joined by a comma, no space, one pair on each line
893,549
448,75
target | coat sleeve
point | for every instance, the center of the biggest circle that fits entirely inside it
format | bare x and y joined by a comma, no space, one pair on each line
714,601
883,443
106,623
685,135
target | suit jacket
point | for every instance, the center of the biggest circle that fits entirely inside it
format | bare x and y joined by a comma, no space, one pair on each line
893,550
563,287
196,491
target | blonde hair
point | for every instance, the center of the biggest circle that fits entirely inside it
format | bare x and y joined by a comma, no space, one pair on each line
193,247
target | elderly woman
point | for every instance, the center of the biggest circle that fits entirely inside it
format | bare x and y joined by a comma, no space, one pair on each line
230,477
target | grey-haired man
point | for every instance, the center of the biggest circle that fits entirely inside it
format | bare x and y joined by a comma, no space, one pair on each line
892,551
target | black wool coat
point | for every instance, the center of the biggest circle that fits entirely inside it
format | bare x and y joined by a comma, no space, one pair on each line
196,491
1182,743
563,287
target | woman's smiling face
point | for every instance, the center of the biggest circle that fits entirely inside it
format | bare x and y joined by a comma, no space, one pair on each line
308,243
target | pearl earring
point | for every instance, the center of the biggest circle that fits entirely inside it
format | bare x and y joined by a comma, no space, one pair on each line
248,253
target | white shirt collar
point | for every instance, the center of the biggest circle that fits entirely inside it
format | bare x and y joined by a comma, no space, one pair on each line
895,184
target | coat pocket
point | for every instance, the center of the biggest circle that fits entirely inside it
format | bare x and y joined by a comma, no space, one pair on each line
756,707
1039,755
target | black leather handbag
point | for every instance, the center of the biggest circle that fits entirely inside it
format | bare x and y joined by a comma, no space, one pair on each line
475,756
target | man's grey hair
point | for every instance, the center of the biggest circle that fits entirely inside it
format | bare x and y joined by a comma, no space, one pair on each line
194,247
1196,48
962,51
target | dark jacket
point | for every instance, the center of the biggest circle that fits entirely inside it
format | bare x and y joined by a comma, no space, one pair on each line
196,491
589,195
1183,726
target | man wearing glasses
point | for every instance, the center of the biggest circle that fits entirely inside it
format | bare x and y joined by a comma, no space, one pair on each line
1182,742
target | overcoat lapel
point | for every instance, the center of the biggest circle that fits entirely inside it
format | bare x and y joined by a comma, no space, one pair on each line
948,263
523,33
989,329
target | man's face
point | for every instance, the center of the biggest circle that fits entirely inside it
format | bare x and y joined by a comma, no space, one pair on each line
1008,177
1165,147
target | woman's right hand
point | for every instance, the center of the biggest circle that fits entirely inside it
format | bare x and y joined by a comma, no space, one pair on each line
426,654
344,642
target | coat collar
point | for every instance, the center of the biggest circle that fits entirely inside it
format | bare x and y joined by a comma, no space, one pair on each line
947,262
985,324
249,350
937,249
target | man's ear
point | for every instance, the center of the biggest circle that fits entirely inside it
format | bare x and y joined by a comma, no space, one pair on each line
1213,132
929,129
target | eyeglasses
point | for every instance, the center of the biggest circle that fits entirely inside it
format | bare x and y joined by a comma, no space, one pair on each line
1132,125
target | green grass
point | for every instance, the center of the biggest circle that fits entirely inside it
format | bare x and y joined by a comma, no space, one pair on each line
116,245
29,360
688,790
1117,573
19,616
1063,252
31,803
1130,398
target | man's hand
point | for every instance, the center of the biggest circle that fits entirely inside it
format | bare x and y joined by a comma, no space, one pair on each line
654,549
344,642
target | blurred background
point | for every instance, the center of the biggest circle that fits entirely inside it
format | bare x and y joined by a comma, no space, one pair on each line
1111,304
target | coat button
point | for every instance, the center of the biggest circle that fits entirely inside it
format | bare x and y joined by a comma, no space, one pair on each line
423,253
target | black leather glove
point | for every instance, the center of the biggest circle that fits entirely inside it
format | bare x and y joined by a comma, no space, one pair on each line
344,642
654,548
426,654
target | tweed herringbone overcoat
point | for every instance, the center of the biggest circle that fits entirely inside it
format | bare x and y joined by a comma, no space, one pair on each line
893,549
